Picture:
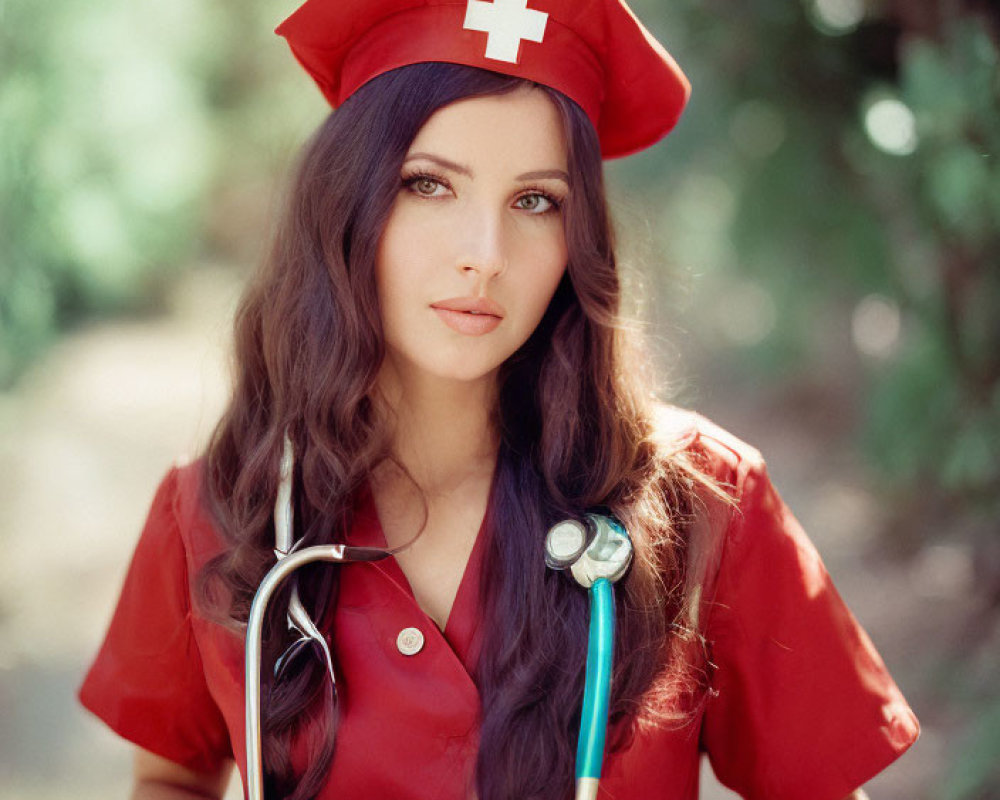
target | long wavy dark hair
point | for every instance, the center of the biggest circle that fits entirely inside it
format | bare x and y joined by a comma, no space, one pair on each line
577,431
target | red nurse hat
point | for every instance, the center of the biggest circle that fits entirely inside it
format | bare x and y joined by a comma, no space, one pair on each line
594,51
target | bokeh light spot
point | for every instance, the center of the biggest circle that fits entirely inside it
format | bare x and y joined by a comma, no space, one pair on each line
875,326
757,129
94,227
696,221
943,570
745,313
837,17
891,126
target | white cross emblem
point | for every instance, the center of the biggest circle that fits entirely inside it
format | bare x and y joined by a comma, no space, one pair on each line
506,22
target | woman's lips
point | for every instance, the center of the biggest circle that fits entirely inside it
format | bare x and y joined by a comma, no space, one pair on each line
472,316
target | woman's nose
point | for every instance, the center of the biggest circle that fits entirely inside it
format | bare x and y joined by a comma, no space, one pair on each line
483,242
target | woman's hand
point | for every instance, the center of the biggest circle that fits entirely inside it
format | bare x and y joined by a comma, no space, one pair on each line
157,778
857,794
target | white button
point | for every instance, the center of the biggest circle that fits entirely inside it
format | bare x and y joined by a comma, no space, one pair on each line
410,641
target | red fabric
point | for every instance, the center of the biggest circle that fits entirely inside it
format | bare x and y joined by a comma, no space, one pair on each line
150,682
801,707
796,675
594,51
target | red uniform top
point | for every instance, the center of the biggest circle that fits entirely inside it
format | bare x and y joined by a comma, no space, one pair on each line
801,706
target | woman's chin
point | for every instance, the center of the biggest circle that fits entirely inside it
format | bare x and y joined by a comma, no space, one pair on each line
457,371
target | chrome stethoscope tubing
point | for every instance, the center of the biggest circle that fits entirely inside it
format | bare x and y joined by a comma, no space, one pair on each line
278,573
289,560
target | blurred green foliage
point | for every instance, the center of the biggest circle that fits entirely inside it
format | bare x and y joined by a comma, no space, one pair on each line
134,139
104,158
977,773
952,200
836,189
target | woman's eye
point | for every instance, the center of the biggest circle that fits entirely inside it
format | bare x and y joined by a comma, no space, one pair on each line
534,202
424,185
537,203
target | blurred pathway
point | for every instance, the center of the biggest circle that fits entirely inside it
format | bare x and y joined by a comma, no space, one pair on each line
88,434
83,443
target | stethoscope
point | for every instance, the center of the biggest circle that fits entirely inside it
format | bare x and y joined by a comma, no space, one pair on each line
596,551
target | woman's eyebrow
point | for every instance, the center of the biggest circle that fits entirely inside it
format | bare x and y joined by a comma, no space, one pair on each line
544,173
444,162
463,170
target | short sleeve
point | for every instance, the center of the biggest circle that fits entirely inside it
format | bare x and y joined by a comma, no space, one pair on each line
147,682
802,706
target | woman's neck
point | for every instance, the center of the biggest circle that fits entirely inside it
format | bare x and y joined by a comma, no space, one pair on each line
442,431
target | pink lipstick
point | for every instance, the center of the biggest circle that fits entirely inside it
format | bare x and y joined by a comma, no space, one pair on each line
472,316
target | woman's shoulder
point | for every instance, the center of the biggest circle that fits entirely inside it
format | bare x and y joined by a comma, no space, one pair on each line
179,507
720,453
738,515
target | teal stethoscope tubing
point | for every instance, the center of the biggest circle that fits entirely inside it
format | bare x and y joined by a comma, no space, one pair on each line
597,689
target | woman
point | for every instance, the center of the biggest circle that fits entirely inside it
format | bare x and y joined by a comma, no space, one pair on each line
437,333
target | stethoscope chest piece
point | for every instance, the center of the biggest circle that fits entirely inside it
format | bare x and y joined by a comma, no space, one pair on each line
597,547
566,542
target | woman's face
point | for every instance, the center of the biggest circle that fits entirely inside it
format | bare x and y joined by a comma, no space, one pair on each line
475,245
